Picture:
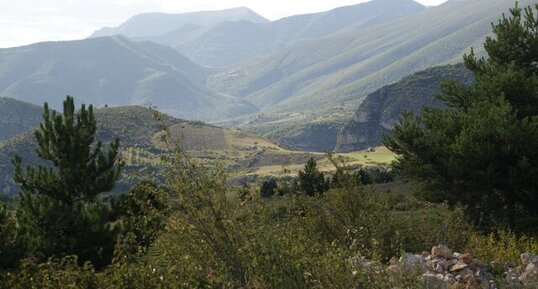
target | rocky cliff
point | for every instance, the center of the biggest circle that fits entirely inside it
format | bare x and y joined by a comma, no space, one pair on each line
378,113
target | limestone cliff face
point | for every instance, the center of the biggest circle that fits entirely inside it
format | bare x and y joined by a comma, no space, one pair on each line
378,113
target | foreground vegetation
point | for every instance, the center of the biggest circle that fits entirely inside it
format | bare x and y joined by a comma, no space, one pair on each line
188,233
196,231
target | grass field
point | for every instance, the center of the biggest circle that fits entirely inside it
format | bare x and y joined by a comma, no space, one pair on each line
377,156
247,154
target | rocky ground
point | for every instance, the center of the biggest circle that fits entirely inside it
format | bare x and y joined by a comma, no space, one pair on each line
443,269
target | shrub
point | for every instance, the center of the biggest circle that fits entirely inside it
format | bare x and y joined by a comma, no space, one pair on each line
268,188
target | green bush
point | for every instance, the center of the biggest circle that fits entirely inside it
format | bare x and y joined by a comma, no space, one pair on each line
10,247
52,274
501,246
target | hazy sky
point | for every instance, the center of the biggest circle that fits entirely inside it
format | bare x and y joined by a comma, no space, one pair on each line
27,21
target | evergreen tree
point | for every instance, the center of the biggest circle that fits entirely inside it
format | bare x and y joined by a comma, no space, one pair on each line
311,180
268,188
482,151
59,212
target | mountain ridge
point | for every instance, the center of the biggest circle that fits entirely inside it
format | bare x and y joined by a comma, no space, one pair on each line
156,23
278,34
114,71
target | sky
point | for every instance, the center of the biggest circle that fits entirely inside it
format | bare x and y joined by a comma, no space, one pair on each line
24,22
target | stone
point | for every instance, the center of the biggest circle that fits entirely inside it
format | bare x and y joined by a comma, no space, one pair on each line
411,262
441,251
438,269
451,263
467,274
449,278
472,283
527,258
458,267
435,281
529,277
466,258
531,268
441,262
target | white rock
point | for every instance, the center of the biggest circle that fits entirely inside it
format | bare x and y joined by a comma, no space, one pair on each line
441,251
527,258
435,281
410,262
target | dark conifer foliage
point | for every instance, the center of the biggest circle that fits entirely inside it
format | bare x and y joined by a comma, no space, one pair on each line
482,152
59,212
311,180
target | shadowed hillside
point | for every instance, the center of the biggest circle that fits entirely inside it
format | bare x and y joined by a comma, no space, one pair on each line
113,71
17,117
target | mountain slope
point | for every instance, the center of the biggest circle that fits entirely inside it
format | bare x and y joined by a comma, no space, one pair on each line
151,24
382,109
17,117
232,42
359,60
139,131
113,71
224,44
317,25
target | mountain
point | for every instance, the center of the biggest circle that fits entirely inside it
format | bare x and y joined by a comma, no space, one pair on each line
140,131
151,24
224,44
382,109
317,25
232,42
324,80
17,117
114,71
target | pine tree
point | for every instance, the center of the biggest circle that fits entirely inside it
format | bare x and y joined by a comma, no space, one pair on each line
268,188
311,180
59,212
482,151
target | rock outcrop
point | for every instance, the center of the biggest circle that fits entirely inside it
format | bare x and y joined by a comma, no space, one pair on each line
382,109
